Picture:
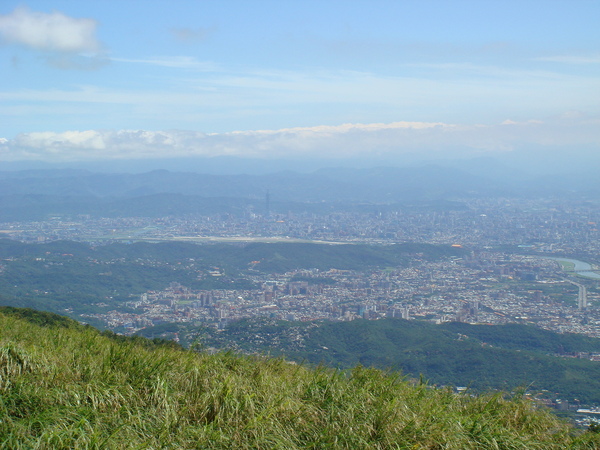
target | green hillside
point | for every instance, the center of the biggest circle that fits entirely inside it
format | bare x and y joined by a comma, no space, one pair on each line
64,275
273,257
481,357
64,386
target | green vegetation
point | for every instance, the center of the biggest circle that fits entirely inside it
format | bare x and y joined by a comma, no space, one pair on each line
526,337
481,357
73,387
40,318
567,266
70,276
273,257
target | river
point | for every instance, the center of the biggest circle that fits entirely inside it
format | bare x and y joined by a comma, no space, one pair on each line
581,268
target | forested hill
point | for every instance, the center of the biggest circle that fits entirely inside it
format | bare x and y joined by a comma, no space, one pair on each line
64,275
481,357
64,385
274,257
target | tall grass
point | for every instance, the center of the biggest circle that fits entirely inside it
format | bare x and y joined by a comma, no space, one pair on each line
75,388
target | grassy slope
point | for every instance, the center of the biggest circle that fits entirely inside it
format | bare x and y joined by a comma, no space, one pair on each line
492,357
68,386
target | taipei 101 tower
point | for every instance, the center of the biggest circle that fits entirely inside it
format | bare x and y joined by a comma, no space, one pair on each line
267,205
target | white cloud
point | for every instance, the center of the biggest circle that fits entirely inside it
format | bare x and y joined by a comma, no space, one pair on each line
190,35
348,127
179,62
205,94
93,140
571,59
53,32
528,122
348,140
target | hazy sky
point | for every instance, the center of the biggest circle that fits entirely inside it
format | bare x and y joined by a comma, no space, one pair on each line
82,80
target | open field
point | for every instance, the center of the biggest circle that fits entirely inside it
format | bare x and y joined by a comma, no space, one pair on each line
225,239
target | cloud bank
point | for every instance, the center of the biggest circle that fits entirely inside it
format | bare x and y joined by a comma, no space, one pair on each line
378,140
53,32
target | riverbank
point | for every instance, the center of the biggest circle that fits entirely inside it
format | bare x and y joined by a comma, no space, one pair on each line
579,268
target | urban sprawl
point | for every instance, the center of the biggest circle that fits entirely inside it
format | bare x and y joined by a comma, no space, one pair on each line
508,275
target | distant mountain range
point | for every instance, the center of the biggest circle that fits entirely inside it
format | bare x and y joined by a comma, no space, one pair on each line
380,185
33,194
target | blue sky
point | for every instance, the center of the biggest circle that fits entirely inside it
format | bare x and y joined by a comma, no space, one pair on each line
138,79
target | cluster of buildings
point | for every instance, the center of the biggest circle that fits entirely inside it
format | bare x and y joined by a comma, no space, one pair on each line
552,226
487,287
